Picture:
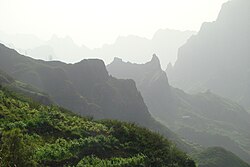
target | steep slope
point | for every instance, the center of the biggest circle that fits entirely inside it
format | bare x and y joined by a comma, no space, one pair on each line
37,135
211,120
150,80
217,58
213,117
5,79
52,81
85,88
8,82
218,157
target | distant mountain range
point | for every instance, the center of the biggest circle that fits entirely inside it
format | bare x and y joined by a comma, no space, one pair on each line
165,43
213,67
215,60
98,94
218,57
203,118
85,88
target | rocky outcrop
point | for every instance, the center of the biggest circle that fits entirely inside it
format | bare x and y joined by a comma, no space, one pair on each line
217,58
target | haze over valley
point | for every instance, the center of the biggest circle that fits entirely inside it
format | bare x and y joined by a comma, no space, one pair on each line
156,83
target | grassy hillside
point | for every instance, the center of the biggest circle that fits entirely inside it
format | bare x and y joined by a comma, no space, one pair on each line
85,88
218,157
35,135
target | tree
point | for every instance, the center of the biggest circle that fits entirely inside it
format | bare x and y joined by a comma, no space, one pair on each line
13,151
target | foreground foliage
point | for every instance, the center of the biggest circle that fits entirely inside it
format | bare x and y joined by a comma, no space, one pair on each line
36,135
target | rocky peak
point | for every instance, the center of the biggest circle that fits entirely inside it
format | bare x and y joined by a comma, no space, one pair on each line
235,10
93,66
117,60
169,67
154,63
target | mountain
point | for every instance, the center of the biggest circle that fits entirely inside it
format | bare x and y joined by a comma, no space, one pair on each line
66,49
217,58
5,79
20,41
150,79
165,42
32,134
43,52
85,88
54,135
218,157
26,90
204,118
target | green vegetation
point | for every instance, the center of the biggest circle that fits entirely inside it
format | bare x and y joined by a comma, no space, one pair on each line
85,88
36,135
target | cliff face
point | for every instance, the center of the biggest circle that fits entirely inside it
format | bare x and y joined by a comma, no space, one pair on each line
85,88
197,117
217,58
150,80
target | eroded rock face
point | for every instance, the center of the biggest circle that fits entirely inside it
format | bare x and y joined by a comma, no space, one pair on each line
151,81
86,88
83,87
196,117
218,57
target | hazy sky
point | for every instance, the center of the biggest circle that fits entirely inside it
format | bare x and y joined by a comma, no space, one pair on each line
95,22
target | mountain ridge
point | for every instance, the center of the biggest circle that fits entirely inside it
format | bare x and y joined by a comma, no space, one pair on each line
218,54
64,48
203,112
90,91
52,136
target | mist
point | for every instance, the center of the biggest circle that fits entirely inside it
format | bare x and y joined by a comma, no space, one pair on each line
115,83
